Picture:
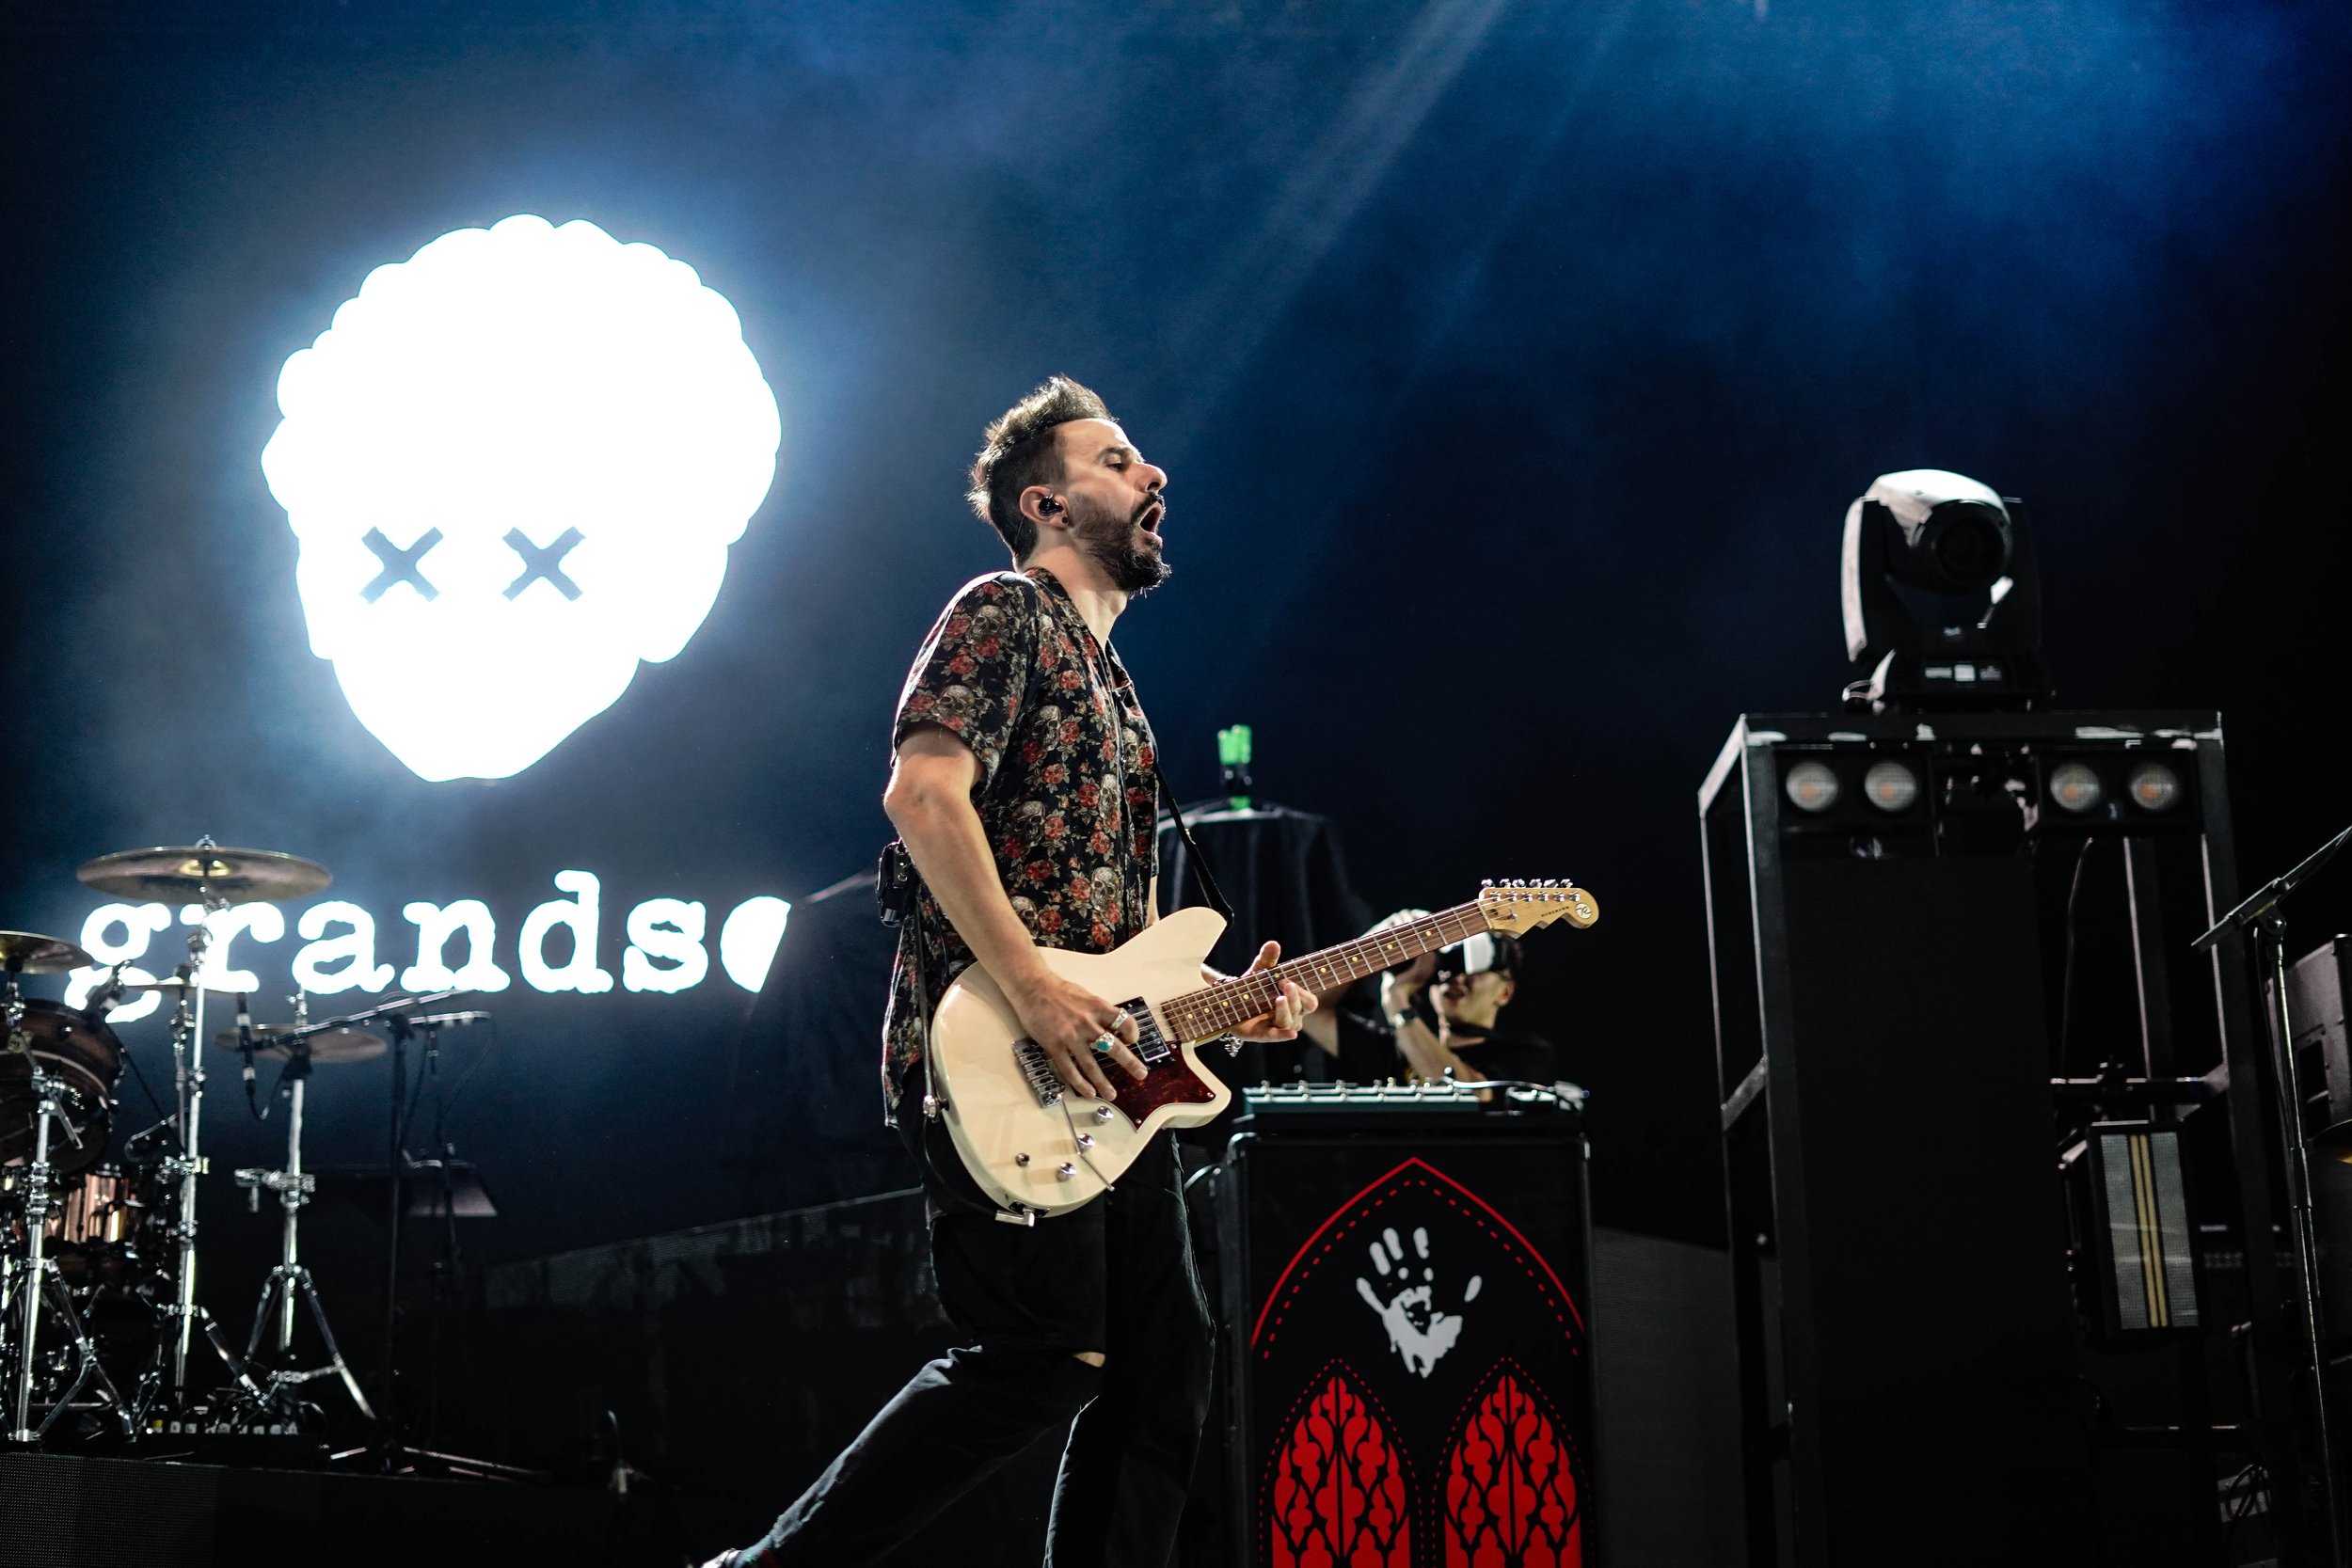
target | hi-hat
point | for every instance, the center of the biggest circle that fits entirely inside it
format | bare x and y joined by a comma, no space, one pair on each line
171,983
26,953
327,1045
205,871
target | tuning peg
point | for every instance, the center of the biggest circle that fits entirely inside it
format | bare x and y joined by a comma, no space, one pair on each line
1486,883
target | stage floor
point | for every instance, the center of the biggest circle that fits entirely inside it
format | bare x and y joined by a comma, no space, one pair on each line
62,1511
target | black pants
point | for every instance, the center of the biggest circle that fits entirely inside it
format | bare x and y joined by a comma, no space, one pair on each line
1115,1276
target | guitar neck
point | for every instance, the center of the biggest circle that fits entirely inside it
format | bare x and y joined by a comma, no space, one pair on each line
1214,1009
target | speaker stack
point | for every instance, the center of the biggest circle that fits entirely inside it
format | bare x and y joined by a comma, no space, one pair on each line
2004,1240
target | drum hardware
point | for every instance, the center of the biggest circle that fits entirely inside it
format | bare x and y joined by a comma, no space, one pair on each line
37,1278
395,1015
213,877
295,1187
88,1371
84,1058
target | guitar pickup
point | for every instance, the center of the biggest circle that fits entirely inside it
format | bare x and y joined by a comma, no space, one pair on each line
1037,1070
1150,1046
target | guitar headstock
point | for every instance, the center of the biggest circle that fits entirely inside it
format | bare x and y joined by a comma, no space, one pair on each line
1520,907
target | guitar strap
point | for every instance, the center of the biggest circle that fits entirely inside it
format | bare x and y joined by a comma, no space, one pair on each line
1194,858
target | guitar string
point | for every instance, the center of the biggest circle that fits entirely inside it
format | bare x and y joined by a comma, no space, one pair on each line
1213,1009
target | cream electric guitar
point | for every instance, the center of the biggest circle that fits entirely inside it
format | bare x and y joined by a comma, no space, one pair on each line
1038,1147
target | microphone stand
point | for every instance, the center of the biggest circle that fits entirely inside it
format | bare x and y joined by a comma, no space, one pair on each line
445,1265
396,1166
2262,913
390,1453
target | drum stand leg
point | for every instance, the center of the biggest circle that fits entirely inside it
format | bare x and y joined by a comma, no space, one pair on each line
86,1356
283,1281
293,1188
37,1266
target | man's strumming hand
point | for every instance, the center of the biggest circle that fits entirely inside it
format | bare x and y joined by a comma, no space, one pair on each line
1067,1019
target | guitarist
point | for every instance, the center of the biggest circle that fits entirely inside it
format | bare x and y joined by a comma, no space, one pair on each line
1025,786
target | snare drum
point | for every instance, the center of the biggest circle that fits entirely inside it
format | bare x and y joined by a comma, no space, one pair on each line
96,1220
86,1058
99,1210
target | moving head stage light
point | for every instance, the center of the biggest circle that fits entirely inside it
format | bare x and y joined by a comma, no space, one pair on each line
1948,539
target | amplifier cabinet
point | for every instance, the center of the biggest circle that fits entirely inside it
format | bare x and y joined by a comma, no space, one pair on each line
1405,1292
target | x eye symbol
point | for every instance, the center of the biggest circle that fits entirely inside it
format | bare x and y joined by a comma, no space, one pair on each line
399,565
547,562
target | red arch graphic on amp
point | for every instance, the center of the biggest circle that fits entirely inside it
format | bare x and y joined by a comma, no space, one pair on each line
1316,1241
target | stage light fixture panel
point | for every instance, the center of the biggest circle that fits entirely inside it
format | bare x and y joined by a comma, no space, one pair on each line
1812,786
1891,787
2153,786
2075,787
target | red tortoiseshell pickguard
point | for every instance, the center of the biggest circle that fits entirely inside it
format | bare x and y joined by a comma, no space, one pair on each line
1173,1082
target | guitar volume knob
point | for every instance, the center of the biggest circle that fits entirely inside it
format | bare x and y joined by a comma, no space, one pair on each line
1065,1171
1019,1159
1086,1140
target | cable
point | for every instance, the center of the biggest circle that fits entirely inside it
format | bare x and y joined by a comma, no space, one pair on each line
2066,972
458,1088
132,1063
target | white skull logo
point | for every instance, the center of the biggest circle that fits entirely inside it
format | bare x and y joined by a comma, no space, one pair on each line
514,464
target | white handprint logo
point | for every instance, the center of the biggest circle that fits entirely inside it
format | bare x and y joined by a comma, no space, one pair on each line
1418,1332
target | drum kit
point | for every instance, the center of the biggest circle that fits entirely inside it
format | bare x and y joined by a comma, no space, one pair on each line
89,1244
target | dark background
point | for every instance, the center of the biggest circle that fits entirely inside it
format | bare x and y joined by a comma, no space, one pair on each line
1513,363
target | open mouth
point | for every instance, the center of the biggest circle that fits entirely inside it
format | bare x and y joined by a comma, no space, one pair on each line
1150,517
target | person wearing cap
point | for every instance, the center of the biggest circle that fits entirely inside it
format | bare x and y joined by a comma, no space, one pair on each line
1444,1008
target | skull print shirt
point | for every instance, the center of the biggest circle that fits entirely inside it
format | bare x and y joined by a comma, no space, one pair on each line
1068,784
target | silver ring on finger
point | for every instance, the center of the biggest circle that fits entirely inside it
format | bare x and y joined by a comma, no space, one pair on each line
1102,1045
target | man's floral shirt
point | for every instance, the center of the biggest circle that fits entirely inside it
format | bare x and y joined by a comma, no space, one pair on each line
1068,783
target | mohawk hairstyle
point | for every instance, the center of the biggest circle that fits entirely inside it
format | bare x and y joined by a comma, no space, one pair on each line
1018,451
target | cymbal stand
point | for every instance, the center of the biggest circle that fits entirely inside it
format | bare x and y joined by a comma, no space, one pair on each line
293,1187
38,1277
187,1063
30,1282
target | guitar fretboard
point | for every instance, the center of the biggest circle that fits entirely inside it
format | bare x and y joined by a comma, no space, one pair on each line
1212,1010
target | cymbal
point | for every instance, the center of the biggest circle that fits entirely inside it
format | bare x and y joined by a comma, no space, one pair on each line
328,1045
172,983
26,952
232,875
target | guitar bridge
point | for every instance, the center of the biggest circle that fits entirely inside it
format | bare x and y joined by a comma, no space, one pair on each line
1037,1069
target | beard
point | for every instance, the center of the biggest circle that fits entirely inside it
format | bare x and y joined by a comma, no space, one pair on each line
1116,543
